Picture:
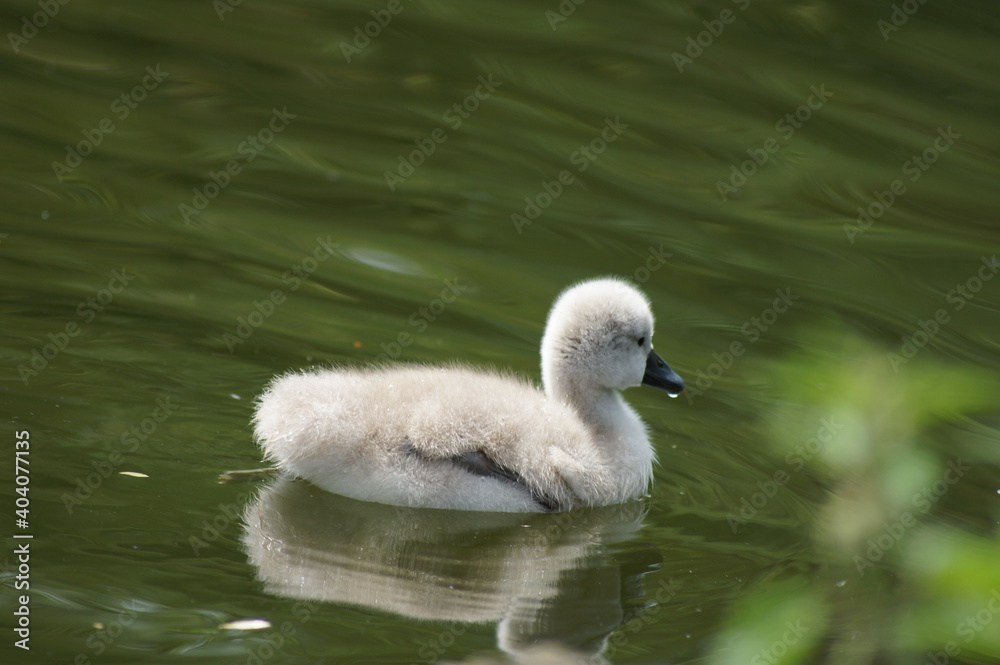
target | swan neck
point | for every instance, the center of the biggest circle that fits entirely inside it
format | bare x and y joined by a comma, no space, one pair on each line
599,408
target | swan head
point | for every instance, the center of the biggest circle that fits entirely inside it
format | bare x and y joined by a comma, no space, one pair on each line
599,335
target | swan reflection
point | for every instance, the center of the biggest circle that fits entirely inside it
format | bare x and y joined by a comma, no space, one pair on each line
538,577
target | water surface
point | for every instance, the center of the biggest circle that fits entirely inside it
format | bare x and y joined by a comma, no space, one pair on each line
195,199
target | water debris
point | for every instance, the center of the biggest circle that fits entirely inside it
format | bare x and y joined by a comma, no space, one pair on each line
246,624
245,475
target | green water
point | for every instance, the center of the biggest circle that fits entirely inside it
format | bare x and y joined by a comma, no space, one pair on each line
194,199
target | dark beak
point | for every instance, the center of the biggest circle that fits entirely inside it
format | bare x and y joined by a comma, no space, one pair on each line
659,375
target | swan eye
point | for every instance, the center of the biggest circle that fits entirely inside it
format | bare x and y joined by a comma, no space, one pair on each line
642,340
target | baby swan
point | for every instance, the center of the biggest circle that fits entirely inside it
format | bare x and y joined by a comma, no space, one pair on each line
469,440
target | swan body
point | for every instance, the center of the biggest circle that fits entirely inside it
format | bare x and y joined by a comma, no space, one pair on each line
460,438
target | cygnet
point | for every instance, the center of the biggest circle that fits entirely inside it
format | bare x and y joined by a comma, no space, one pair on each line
459,438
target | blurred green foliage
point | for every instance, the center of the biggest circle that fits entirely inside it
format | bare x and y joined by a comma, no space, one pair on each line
908,570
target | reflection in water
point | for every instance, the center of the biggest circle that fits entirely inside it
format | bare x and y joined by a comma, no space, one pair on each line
539,577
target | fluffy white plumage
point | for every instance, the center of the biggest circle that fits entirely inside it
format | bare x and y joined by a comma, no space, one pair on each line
466,439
